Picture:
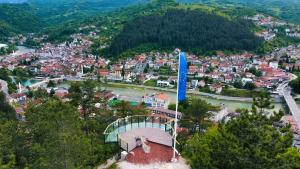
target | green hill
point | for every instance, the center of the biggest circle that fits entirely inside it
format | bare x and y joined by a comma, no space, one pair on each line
17,18
61,11
190,30
283,9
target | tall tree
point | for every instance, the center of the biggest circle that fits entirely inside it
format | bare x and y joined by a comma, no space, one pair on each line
123,108
6,111
197,114
56,137
249,141
263,102
83,96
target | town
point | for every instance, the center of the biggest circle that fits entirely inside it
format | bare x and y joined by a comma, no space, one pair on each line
147,82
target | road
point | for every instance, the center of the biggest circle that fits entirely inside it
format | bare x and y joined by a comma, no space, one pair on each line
284,90
293,107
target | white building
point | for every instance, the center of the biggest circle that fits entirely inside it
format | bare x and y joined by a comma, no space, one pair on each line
3,45
157,100
162,83
247,80
273,65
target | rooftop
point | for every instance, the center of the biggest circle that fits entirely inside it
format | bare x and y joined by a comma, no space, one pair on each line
158,153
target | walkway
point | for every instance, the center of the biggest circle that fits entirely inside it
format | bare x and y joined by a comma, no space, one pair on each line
108,163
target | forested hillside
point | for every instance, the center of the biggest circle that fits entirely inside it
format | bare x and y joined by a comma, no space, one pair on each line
190,30
283,9
17,18
61,11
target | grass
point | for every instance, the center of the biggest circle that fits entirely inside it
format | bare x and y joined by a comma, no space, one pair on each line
241,93
151,83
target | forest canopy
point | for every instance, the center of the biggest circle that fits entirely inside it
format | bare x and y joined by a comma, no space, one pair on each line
190,30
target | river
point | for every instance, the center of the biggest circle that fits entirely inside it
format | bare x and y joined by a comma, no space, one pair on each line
22,50
138,93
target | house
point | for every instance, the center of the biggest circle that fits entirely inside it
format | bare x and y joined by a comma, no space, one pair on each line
246,80
228,78
103,73
165,113
202,83
290,120
273,65
249,75
17,97
173,79
217,88
61,93
106,94
192,70
194,83
20,113
157,100
162,83
200,74
3,46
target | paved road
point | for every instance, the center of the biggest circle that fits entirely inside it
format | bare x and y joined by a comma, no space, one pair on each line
284,90
293,107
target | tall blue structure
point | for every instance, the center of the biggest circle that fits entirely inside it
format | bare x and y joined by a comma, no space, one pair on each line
182,77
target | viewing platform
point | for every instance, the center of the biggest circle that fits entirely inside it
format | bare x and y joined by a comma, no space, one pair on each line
126,130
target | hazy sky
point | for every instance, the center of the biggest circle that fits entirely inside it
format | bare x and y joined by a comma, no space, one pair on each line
12,1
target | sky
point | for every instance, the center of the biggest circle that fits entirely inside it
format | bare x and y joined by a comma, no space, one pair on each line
12,1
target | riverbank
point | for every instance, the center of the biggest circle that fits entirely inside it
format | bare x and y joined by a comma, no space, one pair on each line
189,92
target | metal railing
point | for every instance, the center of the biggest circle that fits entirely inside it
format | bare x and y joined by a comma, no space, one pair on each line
113,130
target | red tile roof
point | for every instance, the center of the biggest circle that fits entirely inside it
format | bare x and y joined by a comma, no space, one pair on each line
158,153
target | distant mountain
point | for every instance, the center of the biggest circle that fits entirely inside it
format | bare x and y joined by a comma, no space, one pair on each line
17,18
283,9
12,1
60,11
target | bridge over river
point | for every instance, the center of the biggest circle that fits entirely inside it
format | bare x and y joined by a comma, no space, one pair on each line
285,91
292,105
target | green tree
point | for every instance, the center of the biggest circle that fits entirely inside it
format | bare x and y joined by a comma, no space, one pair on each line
4,75
249,86
255,71
83,95
197,115
238,84
289,160
249,141
56,136
124,109
7,112
263,102
40,94
295,84
51,84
